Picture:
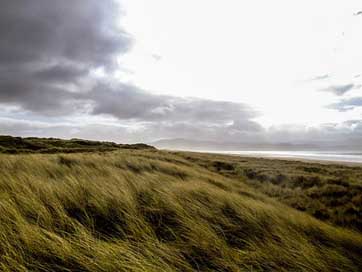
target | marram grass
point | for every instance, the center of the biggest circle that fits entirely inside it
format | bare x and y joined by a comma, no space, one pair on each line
153,211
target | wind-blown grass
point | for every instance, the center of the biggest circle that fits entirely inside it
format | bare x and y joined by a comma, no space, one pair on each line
153,211
18,145
329,192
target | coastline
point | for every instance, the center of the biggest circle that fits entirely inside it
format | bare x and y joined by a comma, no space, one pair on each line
270,156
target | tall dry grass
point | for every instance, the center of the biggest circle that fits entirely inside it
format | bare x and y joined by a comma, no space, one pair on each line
329,192
153,211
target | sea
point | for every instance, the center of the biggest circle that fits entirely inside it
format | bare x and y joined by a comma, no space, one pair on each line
346,157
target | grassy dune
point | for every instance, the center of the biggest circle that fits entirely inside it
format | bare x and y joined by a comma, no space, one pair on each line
18,145
154,211
331,193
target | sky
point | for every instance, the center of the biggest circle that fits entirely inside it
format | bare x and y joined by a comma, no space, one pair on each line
215,70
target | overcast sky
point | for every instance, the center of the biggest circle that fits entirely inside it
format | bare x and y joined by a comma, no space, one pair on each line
220,70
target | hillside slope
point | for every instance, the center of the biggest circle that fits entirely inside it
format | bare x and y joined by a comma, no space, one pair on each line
329,192
16,145
149,210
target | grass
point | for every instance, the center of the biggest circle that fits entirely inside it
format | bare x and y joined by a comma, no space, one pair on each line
18,145
149,210
331,193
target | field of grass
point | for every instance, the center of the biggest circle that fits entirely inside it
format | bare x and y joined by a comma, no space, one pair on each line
149,210
329,192
18,145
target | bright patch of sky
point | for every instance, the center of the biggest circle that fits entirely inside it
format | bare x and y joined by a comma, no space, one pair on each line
276,56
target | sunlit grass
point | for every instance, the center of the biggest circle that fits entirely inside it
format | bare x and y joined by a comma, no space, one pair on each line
329,192
153,211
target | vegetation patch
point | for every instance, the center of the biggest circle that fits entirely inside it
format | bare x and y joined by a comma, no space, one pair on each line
331,193
18,145
94,212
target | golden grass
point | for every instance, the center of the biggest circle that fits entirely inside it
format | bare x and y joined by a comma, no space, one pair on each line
153,211
329,192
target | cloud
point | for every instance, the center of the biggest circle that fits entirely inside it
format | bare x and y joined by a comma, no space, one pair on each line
80,32
27,128
48,53
156,57
203,132
318,78
48,50
339,89
347,104
144,132
330,136
128,102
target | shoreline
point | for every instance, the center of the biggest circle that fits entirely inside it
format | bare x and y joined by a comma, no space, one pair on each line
295,158
306,160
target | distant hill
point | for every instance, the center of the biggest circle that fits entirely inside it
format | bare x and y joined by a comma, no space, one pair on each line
13,145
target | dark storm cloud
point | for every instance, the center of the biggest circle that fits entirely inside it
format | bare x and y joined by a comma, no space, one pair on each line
48,51
339,89
60,73
126,102
347,104
163,116
80,31
33,96
47,47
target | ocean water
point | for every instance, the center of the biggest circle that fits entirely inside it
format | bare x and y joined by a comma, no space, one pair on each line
351,157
